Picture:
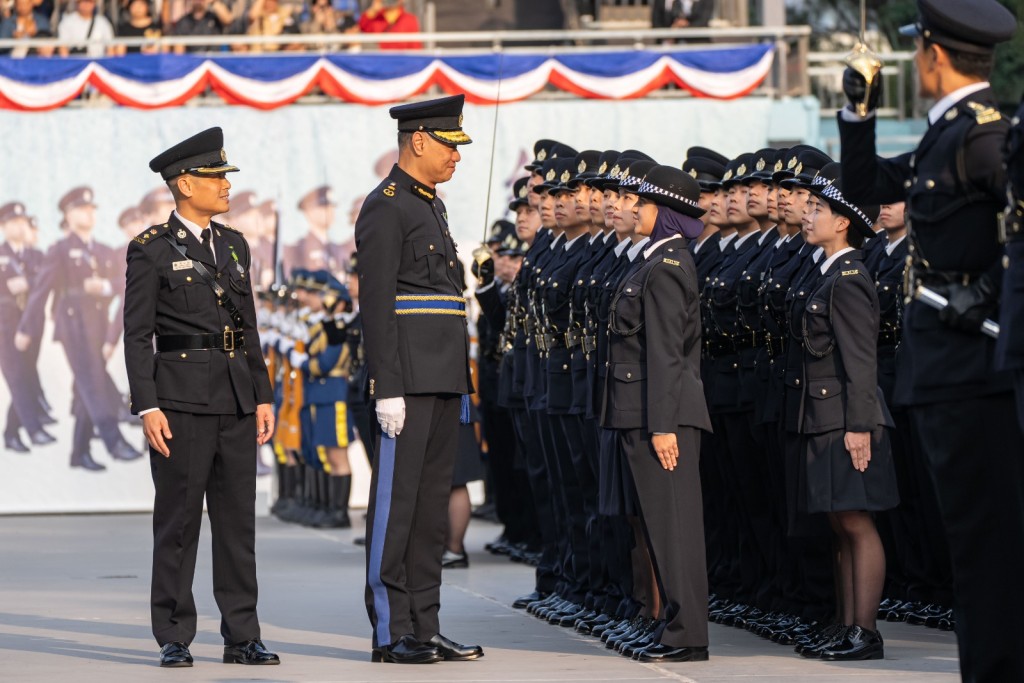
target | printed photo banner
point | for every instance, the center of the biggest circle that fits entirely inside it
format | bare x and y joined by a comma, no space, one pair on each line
268,82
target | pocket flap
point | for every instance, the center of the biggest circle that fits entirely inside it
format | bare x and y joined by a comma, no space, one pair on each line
628,372
425,246
187,356
178,278
825,388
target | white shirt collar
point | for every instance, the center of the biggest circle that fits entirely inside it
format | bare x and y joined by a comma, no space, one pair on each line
947,102
192,227
554,242
650,250
608,236
637,248
743,239
832,259
891,247
764,234
818,253
621,246
782,240
573,241
724,242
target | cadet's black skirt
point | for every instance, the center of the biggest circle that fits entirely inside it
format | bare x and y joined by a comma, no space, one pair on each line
468,465
829,483
616,489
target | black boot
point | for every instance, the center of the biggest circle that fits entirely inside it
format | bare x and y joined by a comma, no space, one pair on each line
321,500
283,489
337,516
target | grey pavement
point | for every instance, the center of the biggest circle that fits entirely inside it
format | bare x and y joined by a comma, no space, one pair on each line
74,608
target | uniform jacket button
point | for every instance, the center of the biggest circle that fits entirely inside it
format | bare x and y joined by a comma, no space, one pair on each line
431,247
629,375
796,382
824,392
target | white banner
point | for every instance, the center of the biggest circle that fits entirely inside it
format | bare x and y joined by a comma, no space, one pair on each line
285,154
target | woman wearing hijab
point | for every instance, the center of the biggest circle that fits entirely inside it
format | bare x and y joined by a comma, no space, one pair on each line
846,470
655,398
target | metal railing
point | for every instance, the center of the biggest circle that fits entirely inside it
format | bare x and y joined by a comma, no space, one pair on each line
899,96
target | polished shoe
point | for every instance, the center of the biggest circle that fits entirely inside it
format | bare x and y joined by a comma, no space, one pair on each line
666,653
934,620
15,444
523,601
359,540
122,451
920,617
454,652
599,630
250,652
858,644
85,461
175,655
541,604
587,626
407,650
571,619
901,612
453,560
886,606
829,637
41,438
748,617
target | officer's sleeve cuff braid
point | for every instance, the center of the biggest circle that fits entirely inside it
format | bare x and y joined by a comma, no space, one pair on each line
850,116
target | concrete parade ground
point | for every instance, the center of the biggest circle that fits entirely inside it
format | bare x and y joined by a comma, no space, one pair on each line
74,608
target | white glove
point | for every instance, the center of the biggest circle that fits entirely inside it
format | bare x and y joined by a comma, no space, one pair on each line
286,344
270,336
297,358
391,415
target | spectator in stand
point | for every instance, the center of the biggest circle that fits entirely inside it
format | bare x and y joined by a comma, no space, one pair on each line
389,16
24,23
271,18
681,13
207,18
139,24
86,24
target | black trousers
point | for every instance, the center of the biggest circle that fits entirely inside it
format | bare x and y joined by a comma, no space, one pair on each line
673,517
540,494
512,497
408,518
24,410
975,450
211,456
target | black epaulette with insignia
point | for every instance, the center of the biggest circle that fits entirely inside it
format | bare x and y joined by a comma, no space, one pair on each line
422,192
225,226
671,262
855,271
389,191
149,234
984,114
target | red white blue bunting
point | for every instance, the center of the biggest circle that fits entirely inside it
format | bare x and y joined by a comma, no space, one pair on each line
268,82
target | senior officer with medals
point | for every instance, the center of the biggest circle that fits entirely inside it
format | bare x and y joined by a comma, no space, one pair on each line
417,352
204,397
961,406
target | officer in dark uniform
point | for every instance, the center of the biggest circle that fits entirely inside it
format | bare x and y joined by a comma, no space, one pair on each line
204,398
18,266
81,274
417,348
1010,349
961,406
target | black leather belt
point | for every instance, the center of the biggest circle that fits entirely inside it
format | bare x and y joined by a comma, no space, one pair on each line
228,340
748,340
776,346
938,278
719,346
888,336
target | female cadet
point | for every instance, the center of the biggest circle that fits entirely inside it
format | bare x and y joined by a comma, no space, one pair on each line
846,470
654,396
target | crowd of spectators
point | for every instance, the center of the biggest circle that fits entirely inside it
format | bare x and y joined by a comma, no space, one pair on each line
84,20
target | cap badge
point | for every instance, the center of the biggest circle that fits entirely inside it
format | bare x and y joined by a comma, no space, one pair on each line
565,177
761,163
603,167
523,191
778,165
615,170
550,176
693,173
460,120
791,163
542,155
181,233
223,156
742,170
582,167
799,169
87,196
728,175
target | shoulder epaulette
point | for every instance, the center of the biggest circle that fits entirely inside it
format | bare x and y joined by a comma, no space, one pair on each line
148,235
227,227
855,271
671,262
389,190
984,114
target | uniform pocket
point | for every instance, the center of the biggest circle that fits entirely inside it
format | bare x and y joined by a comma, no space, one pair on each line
824,411
183,376
430,251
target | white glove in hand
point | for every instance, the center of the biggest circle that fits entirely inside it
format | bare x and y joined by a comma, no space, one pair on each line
391,415
297,358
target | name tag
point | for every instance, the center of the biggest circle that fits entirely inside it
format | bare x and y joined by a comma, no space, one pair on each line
75,253
182,265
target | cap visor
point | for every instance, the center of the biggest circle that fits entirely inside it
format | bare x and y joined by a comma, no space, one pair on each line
451,137
213,170
910,30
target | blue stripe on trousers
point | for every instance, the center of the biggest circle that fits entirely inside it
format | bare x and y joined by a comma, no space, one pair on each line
381,512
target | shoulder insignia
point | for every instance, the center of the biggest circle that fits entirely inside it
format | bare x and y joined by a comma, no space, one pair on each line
671,262
147,235
984,114
389,191
855,271
951,114
225,226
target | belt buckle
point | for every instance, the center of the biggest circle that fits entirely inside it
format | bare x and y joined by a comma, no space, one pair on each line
229,340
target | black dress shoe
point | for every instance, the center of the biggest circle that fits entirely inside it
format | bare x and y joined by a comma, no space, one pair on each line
85,461
919,617
41,438
15,444
123,451
934,620
406,650
454,560
175,655
46,419
455,652
524,600
830,636
666,653
360,540
858,644
249,652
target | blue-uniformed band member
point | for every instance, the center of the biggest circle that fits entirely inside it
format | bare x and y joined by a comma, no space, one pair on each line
417,351
82,275
19,264
204,397
655,400
960,403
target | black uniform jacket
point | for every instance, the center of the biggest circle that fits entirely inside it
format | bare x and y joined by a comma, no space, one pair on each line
405,247
1010,348
26,265
164,296
954,187
653,380
840,330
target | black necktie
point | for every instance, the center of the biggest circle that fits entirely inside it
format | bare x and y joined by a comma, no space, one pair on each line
206,234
